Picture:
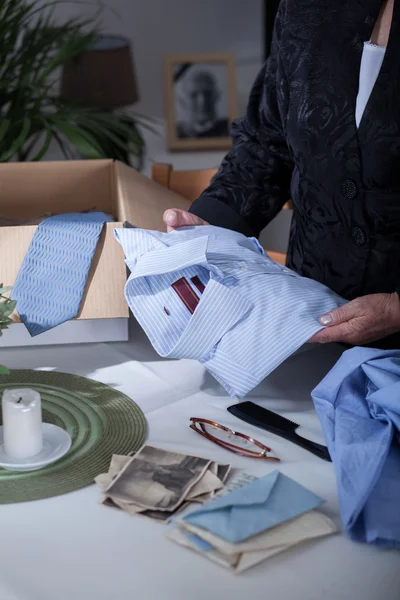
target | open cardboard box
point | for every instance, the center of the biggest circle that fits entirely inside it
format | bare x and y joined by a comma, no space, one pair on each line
28,190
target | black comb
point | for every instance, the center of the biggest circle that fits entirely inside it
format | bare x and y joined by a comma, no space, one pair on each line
270,421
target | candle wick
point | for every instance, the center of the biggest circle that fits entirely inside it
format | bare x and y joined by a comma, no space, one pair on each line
19,400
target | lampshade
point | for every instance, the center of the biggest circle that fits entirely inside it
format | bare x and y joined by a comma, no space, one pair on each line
101,77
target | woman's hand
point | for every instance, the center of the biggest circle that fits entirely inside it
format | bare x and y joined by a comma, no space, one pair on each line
361,321
175,218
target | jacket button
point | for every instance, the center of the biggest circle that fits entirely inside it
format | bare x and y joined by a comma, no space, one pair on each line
359,236
349,189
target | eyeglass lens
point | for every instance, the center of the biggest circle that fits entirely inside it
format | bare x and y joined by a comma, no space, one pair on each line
229,437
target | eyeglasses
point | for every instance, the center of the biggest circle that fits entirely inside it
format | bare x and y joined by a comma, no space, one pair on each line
223,436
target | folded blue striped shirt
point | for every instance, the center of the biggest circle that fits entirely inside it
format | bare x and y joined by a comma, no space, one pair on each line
213,295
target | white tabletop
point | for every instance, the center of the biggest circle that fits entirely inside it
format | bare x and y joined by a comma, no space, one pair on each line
71,548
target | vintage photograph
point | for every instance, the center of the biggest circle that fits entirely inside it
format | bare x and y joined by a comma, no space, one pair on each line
157,480
200,101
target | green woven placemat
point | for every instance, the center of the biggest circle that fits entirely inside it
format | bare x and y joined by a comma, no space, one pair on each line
100,420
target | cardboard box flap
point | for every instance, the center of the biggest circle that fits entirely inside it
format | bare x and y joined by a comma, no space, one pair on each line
141,201
29,190
33,189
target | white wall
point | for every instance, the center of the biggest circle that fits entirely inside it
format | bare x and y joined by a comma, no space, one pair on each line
159,27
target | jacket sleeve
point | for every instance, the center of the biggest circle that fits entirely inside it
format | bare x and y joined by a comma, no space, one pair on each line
253,182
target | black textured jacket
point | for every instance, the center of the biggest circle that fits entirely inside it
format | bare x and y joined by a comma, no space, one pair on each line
299,140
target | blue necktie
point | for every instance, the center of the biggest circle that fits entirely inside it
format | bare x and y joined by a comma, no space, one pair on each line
52,278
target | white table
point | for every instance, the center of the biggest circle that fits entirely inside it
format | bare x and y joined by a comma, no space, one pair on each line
71,548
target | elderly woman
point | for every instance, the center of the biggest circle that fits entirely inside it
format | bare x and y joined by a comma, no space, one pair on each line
323,128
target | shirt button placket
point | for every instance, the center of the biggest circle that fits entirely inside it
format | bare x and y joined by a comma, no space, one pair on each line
349,190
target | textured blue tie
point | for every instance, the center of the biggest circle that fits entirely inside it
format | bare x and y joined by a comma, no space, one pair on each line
52,278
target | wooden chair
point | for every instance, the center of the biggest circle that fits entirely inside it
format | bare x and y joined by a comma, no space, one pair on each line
190,184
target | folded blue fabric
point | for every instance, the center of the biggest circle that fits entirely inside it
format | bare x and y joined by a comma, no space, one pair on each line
358,403
52,278
255,508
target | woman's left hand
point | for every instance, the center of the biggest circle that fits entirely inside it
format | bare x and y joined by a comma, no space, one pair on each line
361,321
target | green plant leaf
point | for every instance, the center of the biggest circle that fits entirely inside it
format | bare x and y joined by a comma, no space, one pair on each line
63,146
45,146
5,323
33,44
3,128
3,290
74,45
149,128
4,370
85,144
100,133
18,142
6,308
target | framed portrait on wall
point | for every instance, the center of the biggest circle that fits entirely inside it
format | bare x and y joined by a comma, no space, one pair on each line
200,94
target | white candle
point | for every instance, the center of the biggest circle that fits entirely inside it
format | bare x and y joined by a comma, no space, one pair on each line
22,423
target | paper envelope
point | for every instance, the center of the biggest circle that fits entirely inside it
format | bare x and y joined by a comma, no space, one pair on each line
240,557
254,508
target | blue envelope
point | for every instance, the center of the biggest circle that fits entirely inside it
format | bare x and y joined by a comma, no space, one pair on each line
255,508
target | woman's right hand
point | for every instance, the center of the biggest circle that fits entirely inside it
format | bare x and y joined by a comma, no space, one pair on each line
175,218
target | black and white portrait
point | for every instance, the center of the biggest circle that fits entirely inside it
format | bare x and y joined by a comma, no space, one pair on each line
201,103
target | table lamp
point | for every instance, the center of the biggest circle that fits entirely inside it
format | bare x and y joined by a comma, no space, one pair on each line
103,76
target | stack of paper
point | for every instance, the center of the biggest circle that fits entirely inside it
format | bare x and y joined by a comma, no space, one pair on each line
253,522
157,484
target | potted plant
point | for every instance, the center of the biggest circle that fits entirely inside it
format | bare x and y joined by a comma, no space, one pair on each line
6,308
33,48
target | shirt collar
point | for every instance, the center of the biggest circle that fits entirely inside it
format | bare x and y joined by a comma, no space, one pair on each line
175,258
